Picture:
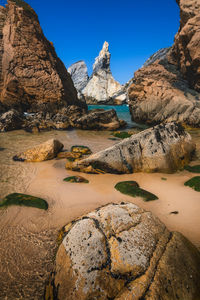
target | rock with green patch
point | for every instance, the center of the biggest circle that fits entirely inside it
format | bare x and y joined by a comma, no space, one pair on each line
122,134
164,148
133,189
193,169
76,179
194,183
23,200
84,150
69,155
119,252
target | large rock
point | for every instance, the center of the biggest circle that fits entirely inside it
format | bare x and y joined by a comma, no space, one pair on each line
123,252
163,148
11,120
101,86
32,77
44,151
167,87
79,74
100,119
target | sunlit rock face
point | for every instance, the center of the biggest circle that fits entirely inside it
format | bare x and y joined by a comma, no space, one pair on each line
79,74
32,77
101,87
167,87
120,252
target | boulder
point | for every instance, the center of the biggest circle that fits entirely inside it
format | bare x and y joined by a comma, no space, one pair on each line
101,86
167,87
44,151
11,120
79,74
163,148
100,119
119,252
32,77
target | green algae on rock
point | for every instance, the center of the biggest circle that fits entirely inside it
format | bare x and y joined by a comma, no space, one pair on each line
76,179
23,200
122,134
193,169
194,183
133,189
69,155
81,149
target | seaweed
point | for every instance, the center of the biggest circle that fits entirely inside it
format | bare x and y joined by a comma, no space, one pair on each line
193,169
76,179
122,134
24,200
194,183
133,189
81,149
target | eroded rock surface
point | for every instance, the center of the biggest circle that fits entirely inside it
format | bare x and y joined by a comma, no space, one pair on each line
79,74
102,87
44,151
11,120
123,252
167,87
163,148
32,77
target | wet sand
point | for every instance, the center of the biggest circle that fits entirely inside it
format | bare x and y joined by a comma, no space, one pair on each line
28,235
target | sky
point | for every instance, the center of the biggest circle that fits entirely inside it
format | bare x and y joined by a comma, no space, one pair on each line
134,29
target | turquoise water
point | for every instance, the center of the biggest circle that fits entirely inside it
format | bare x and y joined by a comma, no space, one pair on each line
122,112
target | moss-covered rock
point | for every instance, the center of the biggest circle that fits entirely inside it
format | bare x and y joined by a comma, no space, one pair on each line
81,149
69,155
122,134
194,183
23,200
76,179
193,169
133,189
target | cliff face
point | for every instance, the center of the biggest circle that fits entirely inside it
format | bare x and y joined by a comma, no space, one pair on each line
167,88
32,77
79,74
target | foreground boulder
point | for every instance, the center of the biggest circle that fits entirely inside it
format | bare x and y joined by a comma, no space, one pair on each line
32,77
167,87
11,120
163,148
45,151
123,252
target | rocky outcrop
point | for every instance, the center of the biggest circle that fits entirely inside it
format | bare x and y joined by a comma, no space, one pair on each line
45,151
32,77
79,74
167,87
102,87
163,148
120,251
11,120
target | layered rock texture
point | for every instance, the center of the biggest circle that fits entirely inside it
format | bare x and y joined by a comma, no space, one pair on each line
123,252
164,148
167,87
32,77
101,87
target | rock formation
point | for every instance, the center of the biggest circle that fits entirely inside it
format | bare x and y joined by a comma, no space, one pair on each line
119,252
101,87
79,74
163,148
167,87
44,151
32,77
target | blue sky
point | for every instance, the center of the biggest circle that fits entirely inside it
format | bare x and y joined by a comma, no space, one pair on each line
134,29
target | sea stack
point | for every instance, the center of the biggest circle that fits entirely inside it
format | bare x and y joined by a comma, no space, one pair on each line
167,88
101,87
32,77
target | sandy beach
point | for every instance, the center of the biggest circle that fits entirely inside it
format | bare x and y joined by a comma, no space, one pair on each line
28,235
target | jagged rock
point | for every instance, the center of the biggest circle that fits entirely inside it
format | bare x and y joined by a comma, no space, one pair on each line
100,119
160,54
79,74
167,89
32,77
120,251
44,151
163,148
11,120
101,86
